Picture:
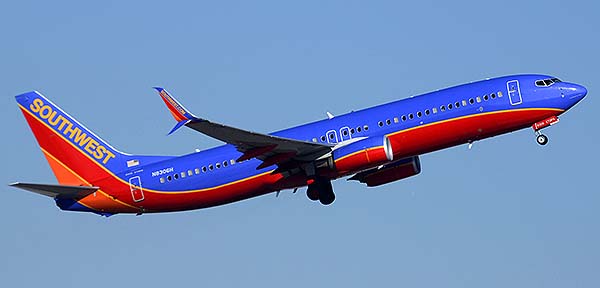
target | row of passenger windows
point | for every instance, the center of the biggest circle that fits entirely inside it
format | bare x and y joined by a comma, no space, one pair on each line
419,114
443,108
196,171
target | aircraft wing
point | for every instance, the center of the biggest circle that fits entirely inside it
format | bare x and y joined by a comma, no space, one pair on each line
268,148
54,191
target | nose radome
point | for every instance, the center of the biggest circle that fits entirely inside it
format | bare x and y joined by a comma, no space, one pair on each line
574,91
580,90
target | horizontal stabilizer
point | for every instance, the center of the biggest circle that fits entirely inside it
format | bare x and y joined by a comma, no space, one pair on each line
54,191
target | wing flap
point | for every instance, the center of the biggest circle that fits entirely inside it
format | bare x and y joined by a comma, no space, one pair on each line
54,191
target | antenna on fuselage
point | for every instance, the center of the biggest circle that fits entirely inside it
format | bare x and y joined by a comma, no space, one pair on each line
329,115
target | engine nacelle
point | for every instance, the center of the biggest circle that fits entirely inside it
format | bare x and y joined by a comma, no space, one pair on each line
363,154
394,171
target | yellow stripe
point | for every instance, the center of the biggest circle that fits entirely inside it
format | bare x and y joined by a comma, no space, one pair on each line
471,116
252,177
449,120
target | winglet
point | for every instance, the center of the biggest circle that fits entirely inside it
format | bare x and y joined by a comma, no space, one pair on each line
178,125
177,110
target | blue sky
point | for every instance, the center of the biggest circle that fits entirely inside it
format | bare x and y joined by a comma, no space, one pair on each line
507,213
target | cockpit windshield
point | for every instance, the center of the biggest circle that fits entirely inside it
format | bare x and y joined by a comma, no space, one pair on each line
546,82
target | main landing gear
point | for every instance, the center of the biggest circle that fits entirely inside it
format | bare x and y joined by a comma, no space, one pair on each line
541,138
320,189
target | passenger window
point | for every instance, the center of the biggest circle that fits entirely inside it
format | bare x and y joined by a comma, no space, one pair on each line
182,174
380,124
232,161
442,108
427,112
450,106
162,179
204,169
434,110
169,178
493,96
485,97
176,176
411,116
197,170
322,138
190,173
419,114
388,121
345,132
314,139
457,105
471,100
358,129
464,102
351,130
499,94
366,127
403,117
225,163
331,136
218,165
396,120
478,99
210,167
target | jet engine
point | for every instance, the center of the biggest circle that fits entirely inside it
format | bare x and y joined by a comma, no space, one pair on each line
391,172
363,154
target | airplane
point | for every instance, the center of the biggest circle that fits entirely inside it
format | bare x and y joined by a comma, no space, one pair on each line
374,146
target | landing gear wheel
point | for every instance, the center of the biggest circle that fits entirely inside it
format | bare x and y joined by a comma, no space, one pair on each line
327,199
542,139
312,193
326,195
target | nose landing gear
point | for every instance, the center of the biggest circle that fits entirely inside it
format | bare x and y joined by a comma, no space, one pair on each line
541,138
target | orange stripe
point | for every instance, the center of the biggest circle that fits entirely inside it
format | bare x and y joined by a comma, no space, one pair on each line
90,200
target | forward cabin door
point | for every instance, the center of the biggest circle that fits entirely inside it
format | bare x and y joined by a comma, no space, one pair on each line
135,185
514,92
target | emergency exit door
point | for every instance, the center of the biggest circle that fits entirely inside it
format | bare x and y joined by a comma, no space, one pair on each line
135,185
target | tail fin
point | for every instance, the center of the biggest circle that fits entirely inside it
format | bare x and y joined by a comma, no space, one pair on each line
76,155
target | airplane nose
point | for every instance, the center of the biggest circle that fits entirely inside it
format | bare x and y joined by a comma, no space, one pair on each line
573,93
582,91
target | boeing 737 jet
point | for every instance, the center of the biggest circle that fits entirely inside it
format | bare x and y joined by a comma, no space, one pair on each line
374,146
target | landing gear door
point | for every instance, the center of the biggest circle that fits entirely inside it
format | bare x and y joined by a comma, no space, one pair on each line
514,92
135,185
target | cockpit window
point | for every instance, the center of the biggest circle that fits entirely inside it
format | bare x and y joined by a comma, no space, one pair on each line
546,82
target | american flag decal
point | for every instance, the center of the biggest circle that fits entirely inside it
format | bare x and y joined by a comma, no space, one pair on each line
134,162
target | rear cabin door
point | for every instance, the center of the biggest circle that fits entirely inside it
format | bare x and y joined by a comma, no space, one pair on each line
135,185
514,92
